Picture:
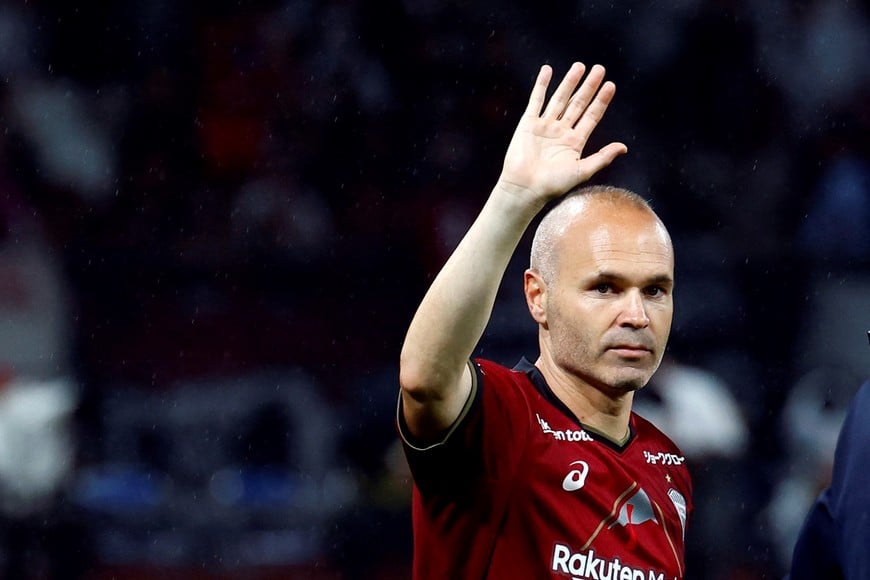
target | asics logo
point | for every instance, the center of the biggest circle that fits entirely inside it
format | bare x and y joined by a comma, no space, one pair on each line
576,478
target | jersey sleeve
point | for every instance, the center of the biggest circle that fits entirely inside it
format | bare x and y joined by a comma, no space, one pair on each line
414,445
481,443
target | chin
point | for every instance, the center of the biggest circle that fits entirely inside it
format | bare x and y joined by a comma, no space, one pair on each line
629,386
630,382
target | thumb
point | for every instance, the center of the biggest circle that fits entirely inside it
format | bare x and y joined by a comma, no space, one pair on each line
594,163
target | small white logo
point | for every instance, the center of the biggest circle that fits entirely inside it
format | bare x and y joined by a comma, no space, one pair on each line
663,458
567,435
680,503
576,478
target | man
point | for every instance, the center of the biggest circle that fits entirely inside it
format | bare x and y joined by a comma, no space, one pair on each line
835,537
543,471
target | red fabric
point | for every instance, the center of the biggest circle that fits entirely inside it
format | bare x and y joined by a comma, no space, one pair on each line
505,495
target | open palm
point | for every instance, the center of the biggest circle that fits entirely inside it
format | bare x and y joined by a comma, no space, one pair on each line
545,156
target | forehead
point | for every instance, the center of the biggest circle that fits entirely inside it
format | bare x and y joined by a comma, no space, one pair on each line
629,243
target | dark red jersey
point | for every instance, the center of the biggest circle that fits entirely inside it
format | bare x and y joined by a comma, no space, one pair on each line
519,489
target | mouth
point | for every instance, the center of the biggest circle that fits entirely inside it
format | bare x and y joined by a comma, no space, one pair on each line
630,350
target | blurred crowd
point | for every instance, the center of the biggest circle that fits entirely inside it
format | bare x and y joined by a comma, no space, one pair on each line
216,220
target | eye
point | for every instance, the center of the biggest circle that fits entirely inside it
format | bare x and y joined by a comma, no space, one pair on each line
604,288
655,291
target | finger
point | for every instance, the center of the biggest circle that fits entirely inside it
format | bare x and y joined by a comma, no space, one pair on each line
595,111
562,95
539,91
584,95
594,163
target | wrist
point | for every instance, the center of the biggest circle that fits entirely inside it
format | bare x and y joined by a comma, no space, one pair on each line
517,198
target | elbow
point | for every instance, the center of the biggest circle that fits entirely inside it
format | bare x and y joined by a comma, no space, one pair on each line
423,381
415,379
433,395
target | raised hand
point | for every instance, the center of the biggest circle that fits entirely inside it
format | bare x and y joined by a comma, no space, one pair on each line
545,157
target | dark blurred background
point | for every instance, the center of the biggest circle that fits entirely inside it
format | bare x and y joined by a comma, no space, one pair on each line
216,220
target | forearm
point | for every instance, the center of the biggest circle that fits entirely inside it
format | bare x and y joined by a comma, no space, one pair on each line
454,312
543,161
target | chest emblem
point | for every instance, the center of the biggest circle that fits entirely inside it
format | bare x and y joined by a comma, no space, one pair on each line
576,478
637,510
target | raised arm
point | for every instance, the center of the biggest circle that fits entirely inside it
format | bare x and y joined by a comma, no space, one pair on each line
543,161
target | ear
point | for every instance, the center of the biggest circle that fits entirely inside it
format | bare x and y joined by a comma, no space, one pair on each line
535,290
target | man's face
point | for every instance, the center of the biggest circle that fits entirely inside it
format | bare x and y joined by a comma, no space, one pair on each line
609,308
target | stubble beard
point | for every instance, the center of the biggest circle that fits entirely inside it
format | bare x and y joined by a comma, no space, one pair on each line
573,353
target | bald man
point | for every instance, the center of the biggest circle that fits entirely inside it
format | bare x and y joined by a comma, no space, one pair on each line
543,470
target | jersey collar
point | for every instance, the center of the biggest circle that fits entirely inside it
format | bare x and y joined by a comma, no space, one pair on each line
534,373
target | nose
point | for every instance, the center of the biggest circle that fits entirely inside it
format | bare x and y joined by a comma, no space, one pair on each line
633,313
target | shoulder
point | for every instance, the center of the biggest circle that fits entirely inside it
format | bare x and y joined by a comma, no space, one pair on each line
496,388
645,430
854,437
862,397
503,381
494,370
657,449
856,429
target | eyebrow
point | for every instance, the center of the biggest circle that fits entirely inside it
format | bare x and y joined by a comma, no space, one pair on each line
663,279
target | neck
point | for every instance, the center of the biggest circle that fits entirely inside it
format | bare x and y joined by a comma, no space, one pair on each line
606,411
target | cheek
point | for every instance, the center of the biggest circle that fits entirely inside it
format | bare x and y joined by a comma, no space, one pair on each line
662,322
578,319
570,332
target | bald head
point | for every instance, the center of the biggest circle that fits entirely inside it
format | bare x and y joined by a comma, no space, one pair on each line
544,254
601,288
